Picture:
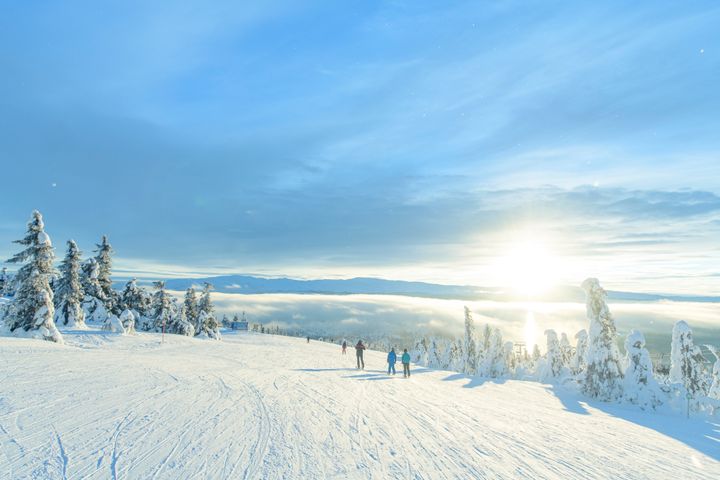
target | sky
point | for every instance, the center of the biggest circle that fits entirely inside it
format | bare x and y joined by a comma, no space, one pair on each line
485,143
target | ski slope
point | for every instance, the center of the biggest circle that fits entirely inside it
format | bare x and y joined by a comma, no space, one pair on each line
253,406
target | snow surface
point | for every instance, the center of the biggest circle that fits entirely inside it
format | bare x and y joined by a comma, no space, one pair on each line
259,406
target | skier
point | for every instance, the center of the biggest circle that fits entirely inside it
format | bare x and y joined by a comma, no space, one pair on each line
406,363
359,354
308,339
344,347
391,359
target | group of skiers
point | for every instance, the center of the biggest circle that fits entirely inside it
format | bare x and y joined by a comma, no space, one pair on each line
391,358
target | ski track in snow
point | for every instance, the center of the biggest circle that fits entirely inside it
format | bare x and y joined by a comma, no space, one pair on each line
258,406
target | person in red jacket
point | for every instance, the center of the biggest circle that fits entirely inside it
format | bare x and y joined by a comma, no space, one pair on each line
359,348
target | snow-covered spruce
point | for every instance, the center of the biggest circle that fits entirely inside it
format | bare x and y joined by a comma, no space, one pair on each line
603,374
470,345
69,293
191,307
566,351
492,362
161,307
581,346
686,361
32,308
138,301
104,272
210,327
179,323
714,391
640,387
4,282
94,300
554,360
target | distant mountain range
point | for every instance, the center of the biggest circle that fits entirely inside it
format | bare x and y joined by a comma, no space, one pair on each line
248,284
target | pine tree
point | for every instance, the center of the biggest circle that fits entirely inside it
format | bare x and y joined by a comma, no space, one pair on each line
104,272
579,363
94,301
191,307
686,361
3,281
566,351
554,356
127,318
161,307
204,305
179,324
640,386
32,308
714,391
493,363
470,346
210,326
69,294
603,378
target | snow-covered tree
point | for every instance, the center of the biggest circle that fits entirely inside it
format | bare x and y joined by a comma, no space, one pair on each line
639,386
493,360
103,258
554,357
135,299
94,301
581,345
179,324
69,294
536,353
3,281
566,351
603,375
510,357
113,324
32,309
714,391
209,325
127,318
191,306
470,345
204,305
686,361
161,307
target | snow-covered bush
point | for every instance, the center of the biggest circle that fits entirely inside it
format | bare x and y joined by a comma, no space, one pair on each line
603,374
686,361
32,308
640,387
113,324
127,318
69,294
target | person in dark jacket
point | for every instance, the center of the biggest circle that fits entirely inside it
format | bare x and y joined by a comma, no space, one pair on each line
344,347
392,358
359,348
406,363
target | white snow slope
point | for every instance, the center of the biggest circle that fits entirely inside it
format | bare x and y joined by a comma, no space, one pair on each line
258,406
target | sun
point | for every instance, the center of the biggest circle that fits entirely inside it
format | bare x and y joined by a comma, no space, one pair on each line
528,268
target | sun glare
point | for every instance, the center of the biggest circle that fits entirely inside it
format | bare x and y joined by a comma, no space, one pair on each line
528,268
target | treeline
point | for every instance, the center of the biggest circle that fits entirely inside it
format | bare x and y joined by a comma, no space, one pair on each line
594,366
81,291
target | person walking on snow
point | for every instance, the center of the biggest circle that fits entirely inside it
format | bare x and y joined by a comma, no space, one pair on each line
392,358
344,346
359,354
406,363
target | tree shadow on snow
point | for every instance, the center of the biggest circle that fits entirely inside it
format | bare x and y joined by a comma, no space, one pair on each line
474,381
701,433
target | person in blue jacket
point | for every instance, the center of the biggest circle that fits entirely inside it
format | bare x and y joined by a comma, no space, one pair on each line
406,363
392,358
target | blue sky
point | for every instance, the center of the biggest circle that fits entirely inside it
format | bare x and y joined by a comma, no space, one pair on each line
415,140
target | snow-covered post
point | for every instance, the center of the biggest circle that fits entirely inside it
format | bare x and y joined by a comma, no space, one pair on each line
32,308
640,386
603,378
686,361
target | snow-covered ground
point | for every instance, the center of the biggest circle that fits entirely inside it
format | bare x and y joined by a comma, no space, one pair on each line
259,406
